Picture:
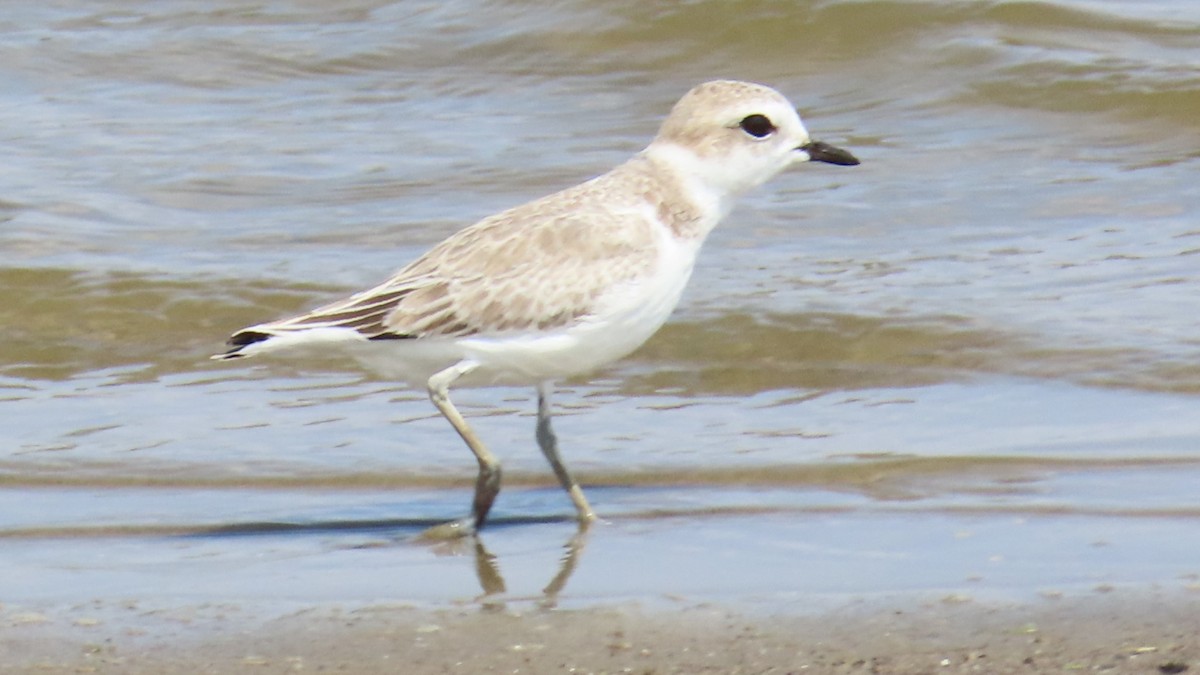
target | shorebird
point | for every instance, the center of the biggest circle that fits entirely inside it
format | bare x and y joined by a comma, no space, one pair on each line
561,285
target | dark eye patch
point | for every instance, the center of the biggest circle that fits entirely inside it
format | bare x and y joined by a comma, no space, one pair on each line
758,126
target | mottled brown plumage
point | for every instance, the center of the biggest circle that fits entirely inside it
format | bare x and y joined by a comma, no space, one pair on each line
510,272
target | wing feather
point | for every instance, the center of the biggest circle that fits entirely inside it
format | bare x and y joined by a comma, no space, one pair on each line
537,267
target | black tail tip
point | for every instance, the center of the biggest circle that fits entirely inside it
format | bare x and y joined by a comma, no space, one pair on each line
240,341
245,337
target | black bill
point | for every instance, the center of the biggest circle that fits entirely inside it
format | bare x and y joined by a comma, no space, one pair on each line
824,152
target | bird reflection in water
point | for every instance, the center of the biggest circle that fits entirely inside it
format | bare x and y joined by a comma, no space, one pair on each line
491,579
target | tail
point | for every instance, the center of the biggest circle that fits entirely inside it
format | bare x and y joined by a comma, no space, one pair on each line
272,337
359,318
239,341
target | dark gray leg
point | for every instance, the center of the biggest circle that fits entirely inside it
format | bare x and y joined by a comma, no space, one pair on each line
548,442
487,485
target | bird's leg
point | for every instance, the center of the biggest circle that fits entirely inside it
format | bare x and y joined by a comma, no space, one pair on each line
570,559
548,442
487,485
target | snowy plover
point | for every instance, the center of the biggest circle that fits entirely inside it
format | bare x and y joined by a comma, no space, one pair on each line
564,284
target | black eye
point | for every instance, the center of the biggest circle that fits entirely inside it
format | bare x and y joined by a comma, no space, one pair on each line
758,126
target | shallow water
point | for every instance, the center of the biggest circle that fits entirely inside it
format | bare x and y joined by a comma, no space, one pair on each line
967,366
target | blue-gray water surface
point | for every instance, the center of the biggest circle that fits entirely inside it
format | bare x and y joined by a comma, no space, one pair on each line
968,367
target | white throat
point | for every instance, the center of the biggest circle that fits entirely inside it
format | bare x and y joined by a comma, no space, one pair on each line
712,197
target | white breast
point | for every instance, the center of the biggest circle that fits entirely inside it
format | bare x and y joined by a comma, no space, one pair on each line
625,318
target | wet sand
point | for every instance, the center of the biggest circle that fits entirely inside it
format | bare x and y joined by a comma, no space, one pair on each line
1115,632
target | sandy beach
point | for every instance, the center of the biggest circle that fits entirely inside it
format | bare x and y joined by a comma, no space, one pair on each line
1113,632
